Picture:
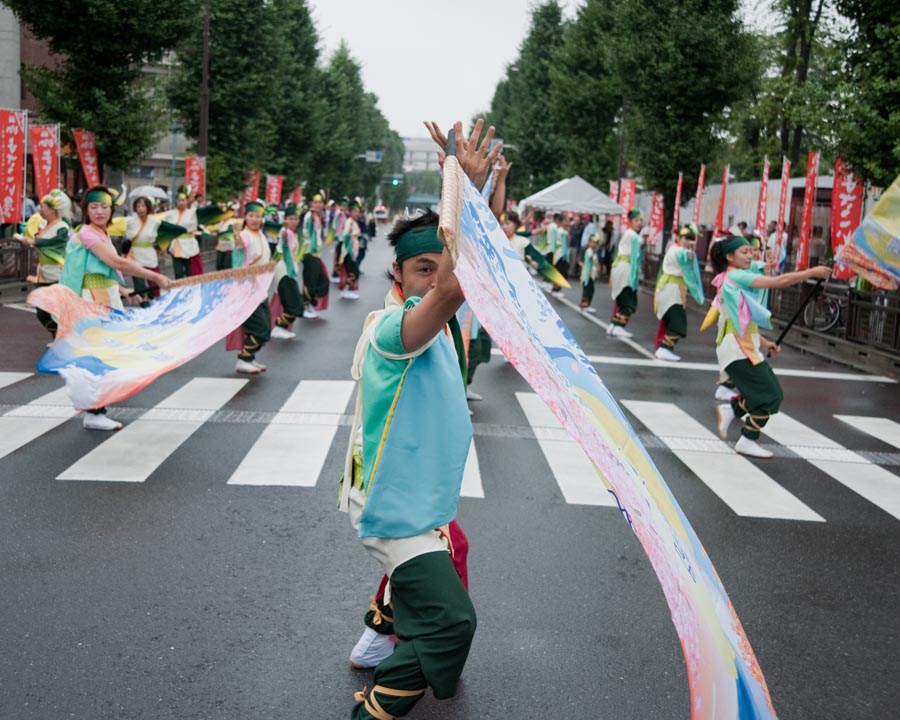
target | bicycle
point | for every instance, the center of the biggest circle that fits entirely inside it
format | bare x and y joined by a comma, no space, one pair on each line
824,312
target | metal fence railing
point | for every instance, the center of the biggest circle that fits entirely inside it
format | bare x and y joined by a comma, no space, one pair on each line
873,318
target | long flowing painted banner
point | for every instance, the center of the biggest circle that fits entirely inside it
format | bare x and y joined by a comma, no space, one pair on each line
107,355
725,679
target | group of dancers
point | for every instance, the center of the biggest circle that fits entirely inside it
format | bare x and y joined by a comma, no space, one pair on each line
85,258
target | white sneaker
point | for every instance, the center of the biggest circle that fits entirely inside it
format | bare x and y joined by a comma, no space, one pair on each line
248,368
609,329
666,354
280,333
349,295
746,446
370,650
558,294
725,393
334,280
93,421
589,310
258,365
619,332
724,417
472,395
310,313
354,295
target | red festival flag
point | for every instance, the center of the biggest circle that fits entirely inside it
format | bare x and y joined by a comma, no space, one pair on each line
87,151
809,199
297,196
720,211
676,215
846,212
195,174
763,201
274,184
699,194
626,195
657,220
614,196
45,157
251,190
782,203
12,157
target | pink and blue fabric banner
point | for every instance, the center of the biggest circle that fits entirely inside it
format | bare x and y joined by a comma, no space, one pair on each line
106,355
725,679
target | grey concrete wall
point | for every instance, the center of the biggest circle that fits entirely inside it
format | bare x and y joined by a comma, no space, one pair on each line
10,53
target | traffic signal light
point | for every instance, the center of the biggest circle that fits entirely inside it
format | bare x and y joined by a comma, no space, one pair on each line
395,182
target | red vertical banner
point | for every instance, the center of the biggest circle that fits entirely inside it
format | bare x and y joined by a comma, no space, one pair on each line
614,196
274,185
195,174
763,201
718,229
626,195
45,157
657,221
676,215
699,194
87,152
782,204
809,200
251,189
12,170
297,196
846,212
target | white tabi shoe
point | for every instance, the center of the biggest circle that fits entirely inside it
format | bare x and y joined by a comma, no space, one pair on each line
310,313
590,310
751,448
247,368
258,365
725,393
666,354
472,395
93,421
280,333
619,332
371,649
724,417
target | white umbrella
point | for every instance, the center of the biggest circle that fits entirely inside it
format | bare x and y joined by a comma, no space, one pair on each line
149,191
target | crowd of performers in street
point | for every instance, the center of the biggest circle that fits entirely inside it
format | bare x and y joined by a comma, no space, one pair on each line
412,429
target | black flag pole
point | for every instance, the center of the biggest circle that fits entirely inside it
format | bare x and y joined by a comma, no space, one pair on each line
809,296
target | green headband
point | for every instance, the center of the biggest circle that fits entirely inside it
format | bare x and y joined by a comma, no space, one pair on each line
254,206
99,196
634,213
730,244
291,211
418,242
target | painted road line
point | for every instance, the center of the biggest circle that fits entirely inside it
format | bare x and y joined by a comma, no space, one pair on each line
21,306
8,378
573,471
877,485
884,429
133,453
471,482
25,423
712,367
292,450
738,482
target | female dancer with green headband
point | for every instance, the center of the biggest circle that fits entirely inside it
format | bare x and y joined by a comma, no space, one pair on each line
739,346
94,269
626,269
185,249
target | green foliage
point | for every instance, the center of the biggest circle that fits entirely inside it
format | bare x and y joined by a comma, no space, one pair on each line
102,46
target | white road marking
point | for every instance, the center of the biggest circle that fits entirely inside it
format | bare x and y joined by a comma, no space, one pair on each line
8,378
133,453
25,423
738,482
21,306
884,429
471,482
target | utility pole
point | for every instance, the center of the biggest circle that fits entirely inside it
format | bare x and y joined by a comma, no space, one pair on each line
203,138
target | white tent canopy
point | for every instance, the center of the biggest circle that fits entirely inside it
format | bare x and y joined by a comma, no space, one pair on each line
573,194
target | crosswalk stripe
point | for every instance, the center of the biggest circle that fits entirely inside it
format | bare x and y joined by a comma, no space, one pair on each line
133,453
874,483
574,472
739,483
8,378
292,450
23,424
882,428
471,482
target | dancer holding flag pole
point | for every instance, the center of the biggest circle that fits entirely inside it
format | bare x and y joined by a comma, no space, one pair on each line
93,269
739,344
185,249
679,274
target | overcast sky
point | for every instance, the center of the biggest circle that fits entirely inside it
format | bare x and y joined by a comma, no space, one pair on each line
398,44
